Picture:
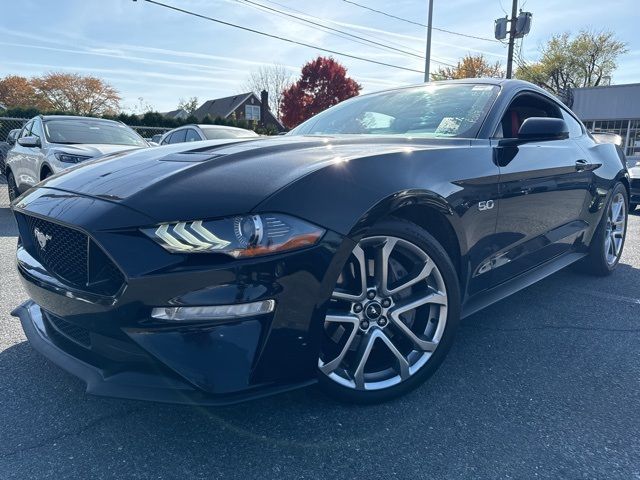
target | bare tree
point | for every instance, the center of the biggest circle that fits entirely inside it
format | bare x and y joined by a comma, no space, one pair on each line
275,79
188,106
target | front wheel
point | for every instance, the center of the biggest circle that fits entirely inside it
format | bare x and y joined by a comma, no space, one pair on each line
607,243
392,315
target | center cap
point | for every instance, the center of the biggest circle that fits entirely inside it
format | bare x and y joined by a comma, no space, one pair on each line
373,310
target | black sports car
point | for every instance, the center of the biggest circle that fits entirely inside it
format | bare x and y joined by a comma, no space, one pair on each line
346,251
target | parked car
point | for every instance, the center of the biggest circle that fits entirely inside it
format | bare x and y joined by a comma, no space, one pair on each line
196,133
345,252
634,174
607,137
49,144
156,138
6,146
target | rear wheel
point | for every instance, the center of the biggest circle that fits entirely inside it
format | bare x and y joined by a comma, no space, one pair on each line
392,315
12,187
607,244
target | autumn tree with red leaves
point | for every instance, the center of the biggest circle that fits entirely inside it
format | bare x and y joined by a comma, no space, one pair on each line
323,83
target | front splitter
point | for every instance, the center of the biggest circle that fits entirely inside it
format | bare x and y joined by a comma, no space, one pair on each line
131,385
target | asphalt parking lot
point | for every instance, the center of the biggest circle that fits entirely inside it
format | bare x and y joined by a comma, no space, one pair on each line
545,384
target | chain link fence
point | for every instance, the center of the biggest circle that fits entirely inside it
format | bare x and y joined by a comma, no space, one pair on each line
9,123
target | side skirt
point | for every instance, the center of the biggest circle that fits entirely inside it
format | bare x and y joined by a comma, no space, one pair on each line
482,300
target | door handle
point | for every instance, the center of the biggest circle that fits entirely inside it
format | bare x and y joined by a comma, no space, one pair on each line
581,165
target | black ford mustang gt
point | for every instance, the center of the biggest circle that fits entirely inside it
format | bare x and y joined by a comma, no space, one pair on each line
344,252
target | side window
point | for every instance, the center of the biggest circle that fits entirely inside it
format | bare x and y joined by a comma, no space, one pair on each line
178,137
26,131
575,129
167,139
525,106
36,129
192,136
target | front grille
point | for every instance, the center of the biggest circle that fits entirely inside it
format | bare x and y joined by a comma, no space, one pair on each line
69,255
70,331
61,250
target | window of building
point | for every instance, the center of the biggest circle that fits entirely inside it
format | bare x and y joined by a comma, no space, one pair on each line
252,112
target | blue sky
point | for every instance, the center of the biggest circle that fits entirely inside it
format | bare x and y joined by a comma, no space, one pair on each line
161,55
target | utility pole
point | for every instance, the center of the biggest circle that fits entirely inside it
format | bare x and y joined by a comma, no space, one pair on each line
427,59
512,37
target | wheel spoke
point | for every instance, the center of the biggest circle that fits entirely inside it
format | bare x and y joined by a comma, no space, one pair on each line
616,209
423,274
419,343
416,301
358,253
365,351
335,363
381,266
362,356
403,364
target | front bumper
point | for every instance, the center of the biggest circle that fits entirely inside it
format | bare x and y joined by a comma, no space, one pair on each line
135,384
118,349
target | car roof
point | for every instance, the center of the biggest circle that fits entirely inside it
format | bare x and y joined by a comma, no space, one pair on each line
46,118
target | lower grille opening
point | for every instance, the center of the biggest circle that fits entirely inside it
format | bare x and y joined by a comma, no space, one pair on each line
70,331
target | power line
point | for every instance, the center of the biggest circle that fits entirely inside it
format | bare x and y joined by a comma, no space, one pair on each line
390,42
444,30
281,12
385,45
277,37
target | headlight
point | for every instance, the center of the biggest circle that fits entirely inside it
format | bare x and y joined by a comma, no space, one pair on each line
70,158
242,236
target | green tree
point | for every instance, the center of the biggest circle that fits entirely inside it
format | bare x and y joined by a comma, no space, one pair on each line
566,62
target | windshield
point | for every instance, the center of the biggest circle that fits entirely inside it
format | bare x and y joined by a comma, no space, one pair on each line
91,131
453,110
216,133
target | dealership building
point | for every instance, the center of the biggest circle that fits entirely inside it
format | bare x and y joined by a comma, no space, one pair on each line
612,109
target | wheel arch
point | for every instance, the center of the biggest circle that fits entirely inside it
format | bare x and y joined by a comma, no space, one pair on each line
427,210
43,168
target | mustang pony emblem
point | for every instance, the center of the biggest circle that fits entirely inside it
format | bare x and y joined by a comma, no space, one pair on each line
42,238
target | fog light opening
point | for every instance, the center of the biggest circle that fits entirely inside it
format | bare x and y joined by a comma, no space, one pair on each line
213,312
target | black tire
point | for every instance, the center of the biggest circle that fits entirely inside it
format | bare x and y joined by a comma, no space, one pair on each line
596,261
12,187
422,239
46,173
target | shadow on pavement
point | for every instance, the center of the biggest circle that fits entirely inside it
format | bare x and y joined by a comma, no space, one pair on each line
549,386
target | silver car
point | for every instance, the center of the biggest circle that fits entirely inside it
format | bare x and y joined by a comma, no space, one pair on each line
197,133
49,144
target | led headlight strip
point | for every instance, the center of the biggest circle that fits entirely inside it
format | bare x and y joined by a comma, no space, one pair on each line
240,236
179,237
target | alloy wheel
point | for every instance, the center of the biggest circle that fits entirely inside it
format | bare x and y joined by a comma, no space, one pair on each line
615,229
386,316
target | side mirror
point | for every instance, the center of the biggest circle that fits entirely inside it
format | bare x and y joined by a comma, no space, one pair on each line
543,128
29,142
11,138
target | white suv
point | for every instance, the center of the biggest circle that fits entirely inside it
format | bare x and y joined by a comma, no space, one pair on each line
49,144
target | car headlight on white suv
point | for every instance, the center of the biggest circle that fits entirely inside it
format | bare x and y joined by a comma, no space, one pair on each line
70,157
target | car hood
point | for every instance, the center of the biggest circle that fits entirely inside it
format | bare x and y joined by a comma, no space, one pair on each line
92,149
217,178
